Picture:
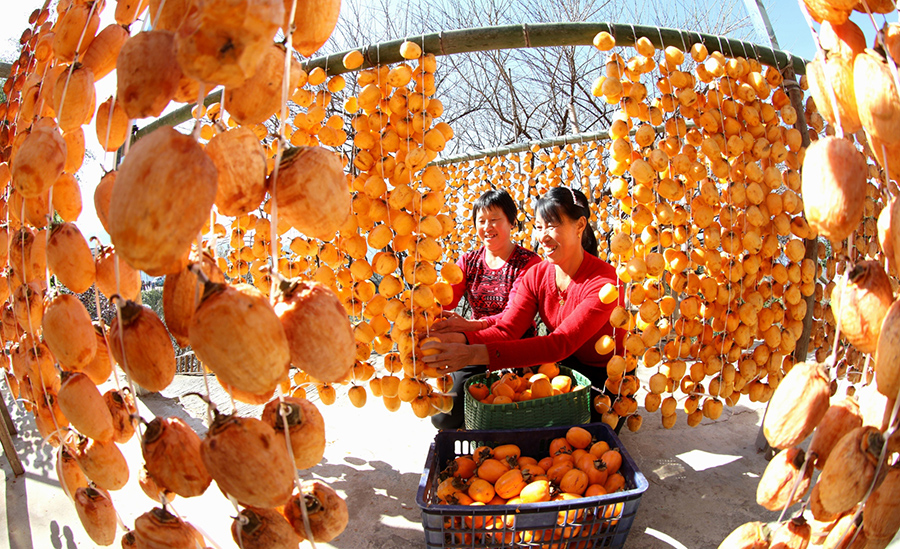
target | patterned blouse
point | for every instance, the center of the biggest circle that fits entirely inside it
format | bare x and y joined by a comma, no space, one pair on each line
489,291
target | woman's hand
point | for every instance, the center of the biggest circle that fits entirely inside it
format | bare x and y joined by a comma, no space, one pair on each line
453,322
447,337
454,356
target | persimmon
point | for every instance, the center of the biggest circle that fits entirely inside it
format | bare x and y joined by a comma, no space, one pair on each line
84,406
570,516
561,383
506,451
535,492
463,467
66,199
122,409
100,56
326,511
301,309
510,484
306,428
70,475
595,490
599,448
531,471
595,469
147,73
460,498
541,387
171,452
450,486
102,462
311,191
556,472
612,459
497,500
492,469
241,164
68,332
313,25
481,490
515,381
503,389
96,512
574,481
578,453
560,446
69,258
524,395
39,162
146,352
549,369
257,527
545,463
475,521
614,483
579,437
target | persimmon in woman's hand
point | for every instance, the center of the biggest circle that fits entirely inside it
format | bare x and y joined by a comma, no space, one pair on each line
452,322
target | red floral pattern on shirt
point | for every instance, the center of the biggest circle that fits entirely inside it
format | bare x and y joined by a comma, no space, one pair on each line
489,290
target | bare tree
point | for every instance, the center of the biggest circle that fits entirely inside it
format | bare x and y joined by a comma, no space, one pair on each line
501,97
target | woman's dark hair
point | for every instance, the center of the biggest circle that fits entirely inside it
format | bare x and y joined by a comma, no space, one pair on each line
569,202
496,198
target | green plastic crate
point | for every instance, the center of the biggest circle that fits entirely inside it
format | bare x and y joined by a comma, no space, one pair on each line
572,408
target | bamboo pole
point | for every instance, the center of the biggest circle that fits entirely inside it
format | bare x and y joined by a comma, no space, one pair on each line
540,35
522,147
177,116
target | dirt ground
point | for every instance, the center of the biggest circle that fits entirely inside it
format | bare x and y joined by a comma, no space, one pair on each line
702,480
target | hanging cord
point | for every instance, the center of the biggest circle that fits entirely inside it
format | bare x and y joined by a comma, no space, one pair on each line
197,545
100,321
62,100
32,335
150,23
283,412
835,106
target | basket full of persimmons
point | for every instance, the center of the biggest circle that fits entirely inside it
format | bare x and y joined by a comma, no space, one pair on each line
548,396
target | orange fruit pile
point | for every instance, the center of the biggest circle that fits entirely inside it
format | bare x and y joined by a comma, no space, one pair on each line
547,381
576,466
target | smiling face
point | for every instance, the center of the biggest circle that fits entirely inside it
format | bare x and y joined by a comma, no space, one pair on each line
493,228
560,241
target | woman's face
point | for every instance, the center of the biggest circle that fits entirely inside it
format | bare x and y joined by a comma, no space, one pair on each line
559,241
493,228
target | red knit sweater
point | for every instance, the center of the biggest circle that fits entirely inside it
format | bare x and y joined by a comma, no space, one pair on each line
488,290
575,319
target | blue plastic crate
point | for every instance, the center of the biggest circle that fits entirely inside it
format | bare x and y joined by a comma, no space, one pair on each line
600,521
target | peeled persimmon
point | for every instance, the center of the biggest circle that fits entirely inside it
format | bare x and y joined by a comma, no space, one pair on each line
561,383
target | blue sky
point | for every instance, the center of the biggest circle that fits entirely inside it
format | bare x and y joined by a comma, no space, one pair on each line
793,33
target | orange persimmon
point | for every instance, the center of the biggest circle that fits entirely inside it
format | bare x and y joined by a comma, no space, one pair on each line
579,437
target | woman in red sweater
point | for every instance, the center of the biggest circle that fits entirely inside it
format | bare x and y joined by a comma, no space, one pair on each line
563,289
490,277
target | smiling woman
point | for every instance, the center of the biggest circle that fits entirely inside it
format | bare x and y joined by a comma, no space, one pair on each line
563,289
490,277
